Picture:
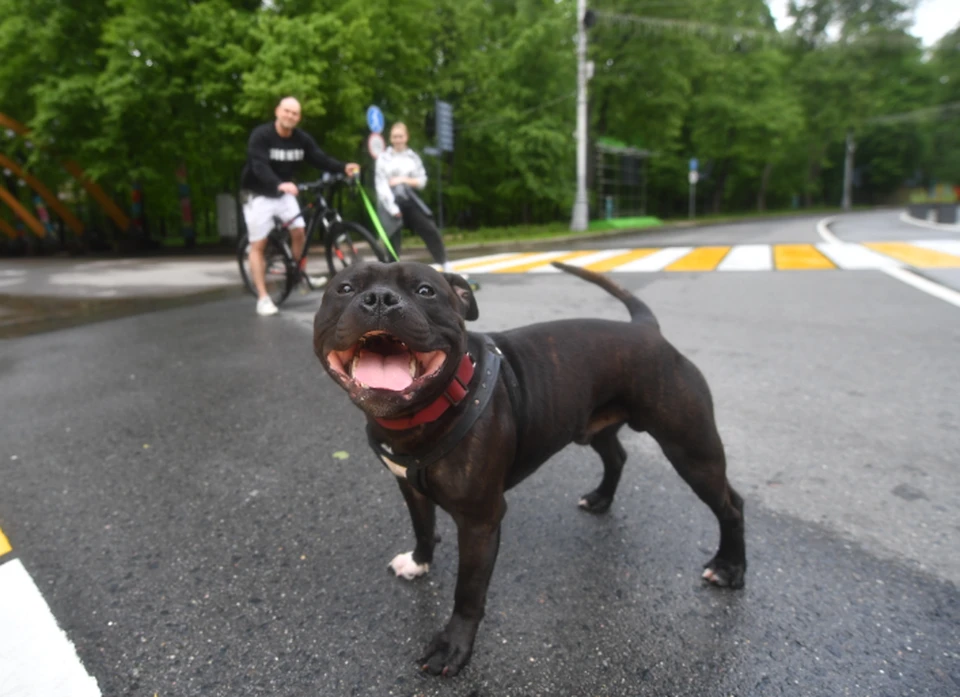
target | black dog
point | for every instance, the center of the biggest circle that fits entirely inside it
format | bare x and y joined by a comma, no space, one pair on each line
461,417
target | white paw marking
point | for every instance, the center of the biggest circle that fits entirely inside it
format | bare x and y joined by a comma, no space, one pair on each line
583,503
404,565
714,578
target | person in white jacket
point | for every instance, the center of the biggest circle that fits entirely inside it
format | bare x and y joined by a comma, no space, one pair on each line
399,174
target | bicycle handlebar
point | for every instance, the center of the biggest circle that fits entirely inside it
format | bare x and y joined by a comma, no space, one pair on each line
326,180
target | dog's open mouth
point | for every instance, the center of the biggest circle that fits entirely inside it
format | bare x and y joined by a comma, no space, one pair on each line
381,361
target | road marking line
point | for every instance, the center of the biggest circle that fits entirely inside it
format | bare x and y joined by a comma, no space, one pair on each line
794,257
927,286
473,262
525,258
531,265
748,257
619,259
700,259
945,246
935,289
823,229
38,658
915,256
656,261
583,260
854,256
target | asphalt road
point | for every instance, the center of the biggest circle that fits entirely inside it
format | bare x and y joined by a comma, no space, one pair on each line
172,483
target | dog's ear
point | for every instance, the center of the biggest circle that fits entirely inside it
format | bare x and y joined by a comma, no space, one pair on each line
468,303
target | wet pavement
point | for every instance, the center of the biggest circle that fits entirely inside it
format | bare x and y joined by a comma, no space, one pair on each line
23,315
198,504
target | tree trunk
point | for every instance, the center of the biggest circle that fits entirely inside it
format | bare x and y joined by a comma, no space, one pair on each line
764,182
813,174
721,185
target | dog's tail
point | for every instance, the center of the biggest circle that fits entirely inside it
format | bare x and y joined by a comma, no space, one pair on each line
639,312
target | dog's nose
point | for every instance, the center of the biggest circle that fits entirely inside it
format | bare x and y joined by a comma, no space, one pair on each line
380,299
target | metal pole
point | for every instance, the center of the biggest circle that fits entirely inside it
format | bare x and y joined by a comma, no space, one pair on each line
440,191
580,215
693,199
848,173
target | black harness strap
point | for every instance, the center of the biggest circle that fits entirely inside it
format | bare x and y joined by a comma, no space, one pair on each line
479,392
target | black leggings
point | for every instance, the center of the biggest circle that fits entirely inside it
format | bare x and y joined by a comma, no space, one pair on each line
418,221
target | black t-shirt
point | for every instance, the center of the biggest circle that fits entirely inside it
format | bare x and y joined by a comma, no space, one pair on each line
272,159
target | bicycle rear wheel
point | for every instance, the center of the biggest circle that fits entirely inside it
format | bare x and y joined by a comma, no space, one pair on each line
278,273
348,243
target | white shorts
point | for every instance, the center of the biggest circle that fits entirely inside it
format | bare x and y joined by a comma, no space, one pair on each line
259,211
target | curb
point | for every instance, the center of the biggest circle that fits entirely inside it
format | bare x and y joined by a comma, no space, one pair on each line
905,217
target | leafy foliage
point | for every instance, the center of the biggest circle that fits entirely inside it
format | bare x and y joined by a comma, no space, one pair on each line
137,90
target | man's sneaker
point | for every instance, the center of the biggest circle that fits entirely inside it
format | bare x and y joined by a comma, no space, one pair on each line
318,281
265,307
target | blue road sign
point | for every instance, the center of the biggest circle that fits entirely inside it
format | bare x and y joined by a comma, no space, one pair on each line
375,119
693,164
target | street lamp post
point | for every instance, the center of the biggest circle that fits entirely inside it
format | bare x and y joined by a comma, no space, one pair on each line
580,215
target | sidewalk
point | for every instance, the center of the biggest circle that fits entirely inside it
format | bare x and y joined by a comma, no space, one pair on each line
41,294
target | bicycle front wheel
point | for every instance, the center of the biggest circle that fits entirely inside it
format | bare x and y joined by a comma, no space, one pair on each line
348,244
277,276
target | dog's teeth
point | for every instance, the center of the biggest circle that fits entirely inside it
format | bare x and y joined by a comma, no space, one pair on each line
413,366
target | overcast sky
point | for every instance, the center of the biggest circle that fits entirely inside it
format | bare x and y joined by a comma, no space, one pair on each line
934,18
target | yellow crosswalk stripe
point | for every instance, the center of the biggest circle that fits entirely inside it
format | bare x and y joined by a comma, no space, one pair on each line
915,256
789,257
5,547
619,260
542,262
700,259
484,262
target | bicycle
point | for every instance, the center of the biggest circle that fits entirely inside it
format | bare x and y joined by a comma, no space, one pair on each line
340,238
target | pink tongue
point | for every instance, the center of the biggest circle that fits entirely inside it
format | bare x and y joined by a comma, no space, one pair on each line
383,372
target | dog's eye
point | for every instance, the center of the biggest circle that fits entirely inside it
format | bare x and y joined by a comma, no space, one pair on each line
344,288
426,291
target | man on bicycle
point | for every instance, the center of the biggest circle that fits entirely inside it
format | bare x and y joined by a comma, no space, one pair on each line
274,153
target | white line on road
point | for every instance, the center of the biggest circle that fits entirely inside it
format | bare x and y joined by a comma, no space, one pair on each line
36,658
945,246
851,256
656,261
748,257
909,277
582,261
927,286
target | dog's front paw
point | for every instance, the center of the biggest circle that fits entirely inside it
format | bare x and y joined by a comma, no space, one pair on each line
595,502
449,651
404,565
724,573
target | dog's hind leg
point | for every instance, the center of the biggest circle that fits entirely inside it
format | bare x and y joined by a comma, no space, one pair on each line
613,455
423,514
704,469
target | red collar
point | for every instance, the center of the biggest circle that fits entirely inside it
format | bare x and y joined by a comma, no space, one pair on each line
452,396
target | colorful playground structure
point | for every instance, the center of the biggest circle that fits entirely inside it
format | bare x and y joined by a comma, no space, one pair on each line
39,222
